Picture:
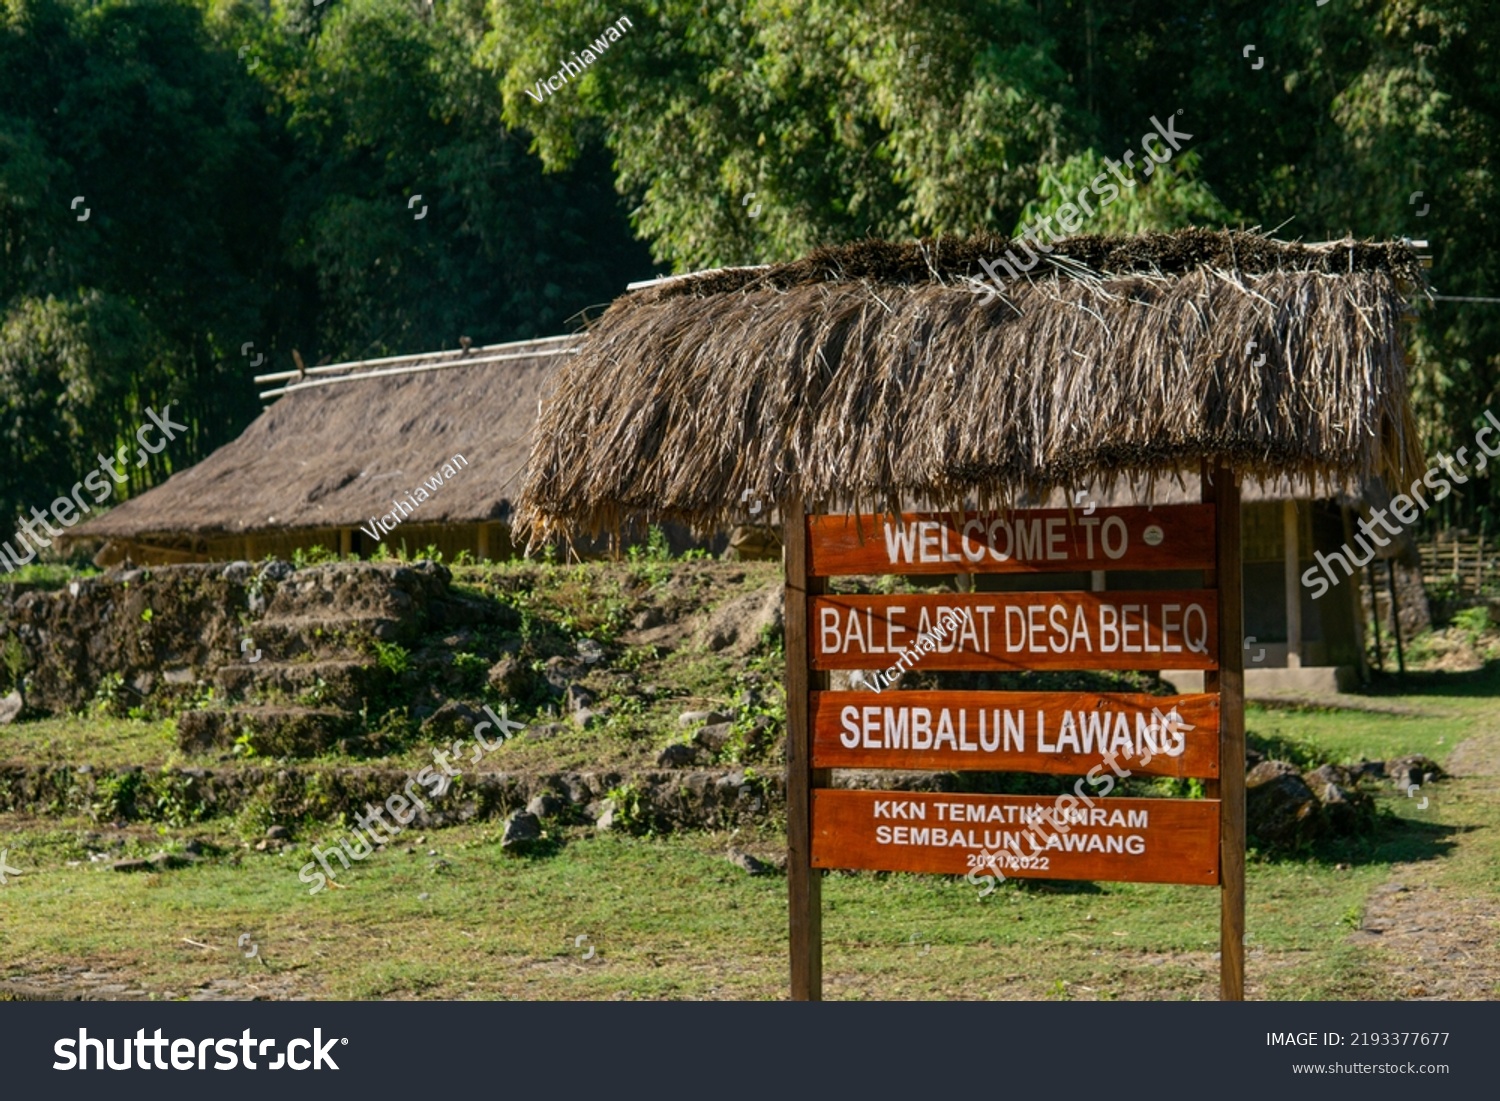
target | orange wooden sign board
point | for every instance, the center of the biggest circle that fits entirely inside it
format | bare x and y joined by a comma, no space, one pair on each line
1168,537
1124,840
1165,629
1056,732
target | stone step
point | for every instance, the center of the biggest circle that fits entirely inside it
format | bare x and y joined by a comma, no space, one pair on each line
346,684
274,731
281,639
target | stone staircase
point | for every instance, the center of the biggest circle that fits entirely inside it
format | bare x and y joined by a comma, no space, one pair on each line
317,681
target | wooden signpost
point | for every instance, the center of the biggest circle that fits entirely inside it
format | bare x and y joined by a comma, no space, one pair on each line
1134,840
1005,631
1097,737
1068,732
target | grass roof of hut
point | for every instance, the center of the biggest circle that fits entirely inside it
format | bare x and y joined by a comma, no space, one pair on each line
335,453
873,374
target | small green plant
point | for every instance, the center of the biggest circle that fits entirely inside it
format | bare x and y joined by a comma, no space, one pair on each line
147,615
658,549
632,809
175,804
653,560
256,815
244,745
1352,918
1473,622
429,552
106,694
392,657
13,656
471,670
314,696
771,640
635,658
313,556
117,797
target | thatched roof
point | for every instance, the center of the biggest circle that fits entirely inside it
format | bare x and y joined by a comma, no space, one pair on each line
874,374
1187,489
333,455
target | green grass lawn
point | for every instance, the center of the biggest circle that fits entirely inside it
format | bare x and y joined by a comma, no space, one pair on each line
672,918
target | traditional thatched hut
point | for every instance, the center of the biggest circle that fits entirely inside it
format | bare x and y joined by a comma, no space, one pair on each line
879,375
1291,638
412,450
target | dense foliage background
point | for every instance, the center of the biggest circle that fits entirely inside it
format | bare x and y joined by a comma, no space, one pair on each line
247,169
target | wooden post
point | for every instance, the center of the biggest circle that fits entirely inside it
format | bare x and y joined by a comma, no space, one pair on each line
804,882
1375,614
1390,580
1293,585
1356,606
1229,682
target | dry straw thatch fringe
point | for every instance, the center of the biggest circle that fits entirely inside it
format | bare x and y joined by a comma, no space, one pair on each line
874,375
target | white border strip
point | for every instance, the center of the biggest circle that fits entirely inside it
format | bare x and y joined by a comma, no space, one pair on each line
468,361
282,376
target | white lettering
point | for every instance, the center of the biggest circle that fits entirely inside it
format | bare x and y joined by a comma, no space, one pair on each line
902,539
851,729
1201,646
1055,537
977,554
829,628
1114,521
1109,628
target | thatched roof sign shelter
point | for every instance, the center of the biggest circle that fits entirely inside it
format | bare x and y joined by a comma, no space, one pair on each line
875,375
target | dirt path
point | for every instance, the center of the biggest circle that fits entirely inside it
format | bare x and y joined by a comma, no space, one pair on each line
86,984
1442,940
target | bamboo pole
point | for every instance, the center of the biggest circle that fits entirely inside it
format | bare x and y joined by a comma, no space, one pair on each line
282,376
1229,682
804,882
467,361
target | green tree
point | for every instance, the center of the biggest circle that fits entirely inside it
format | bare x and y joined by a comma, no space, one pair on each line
892,118
242,174
384,106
